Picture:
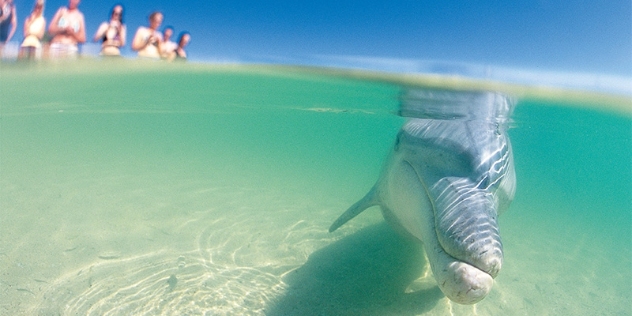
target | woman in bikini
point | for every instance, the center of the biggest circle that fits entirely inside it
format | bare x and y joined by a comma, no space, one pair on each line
112,33
68,30
183,41
179,54
34,28
147,40
8,22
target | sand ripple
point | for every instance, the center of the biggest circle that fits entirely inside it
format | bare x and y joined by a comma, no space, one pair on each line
162,283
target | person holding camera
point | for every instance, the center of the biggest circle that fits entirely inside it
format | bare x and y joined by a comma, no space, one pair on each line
34,29
112,33
147,40
68,30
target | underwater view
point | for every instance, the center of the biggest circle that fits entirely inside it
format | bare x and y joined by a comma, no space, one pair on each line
132,188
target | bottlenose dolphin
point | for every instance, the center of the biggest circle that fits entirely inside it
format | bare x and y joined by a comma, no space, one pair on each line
449,175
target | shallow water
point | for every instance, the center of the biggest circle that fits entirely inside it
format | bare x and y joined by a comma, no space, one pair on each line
210,191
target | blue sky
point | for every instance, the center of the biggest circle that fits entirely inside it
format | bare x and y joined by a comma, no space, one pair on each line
584,36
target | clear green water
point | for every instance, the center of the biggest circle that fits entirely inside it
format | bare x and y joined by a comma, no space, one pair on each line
181,191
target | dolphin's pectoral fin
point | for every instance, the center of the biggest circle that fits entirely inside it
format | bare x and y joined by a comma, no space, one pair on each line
370,199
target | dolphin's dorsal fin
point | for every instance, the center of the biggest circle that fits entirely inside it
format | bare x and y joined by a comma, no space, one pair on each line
370,199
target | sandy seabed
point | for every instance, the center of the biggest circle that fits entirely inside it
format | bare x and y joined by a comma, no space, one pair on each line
163,244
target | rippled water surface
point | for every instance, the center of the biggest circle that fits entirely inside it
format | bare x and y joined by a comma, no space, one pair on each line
198,191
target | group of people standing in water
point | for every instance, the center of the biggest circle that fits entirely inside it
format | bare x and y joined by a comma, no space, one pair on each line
67,30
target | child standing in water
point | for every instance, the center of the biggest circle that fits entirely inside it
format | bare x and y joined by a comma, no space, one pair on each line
168,46
112,33
68,30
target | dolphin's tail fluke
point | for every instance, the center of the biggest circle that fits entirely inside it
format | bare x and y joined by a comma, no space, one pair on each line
370,199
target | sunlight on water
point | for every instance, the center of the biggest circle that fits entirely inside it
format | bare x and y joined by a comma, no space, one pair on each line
210,190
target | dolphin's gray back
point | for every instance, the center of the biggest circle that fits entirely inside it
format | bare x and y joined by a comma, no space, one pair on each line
465,157
470,131
452,134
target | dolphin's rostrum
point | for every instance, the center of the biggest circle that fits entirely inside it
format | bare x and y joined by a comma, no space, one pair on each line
449,176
